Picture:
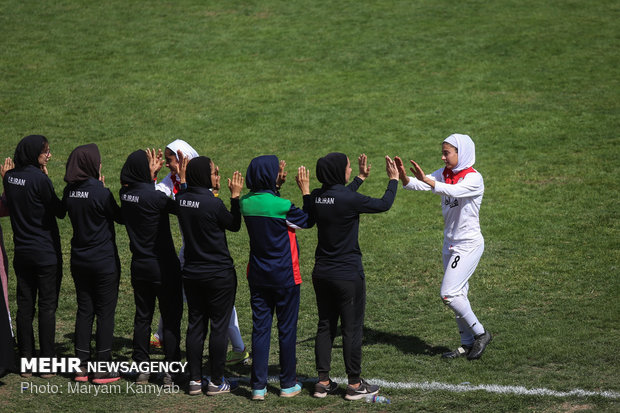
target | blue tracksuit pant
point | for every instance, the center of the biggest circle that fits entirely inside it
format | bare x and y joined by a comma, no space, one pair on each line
285,302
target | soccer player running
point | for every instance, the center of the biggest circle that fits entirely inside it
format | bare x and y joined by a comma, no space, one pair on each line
338,275
461,188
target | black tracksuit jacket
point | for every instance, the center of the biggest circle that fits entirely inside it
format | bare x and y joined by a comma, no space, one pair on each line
204,220
336,210
93,210
145,212
34,207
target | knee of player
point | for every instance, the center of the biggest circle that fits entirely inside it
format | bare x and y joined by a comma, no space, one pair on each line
447,299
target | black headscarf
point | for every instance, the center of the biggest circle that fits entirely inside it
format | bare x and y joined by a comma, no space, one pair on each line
28,150
198,172
136,169
262,173
332,168
83,163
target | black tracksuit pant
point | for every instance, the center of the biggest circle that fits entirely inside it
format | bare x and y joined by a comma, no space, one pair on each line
209,301
33,280
97,295
344,300
170,297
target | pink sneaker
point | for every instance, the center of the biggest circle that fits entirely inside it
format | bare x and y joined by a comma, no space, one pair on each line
81,376
105,378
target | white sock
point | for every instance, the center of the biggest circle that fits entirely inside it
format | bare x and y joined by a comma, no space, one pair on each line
234,334
467,338
462,308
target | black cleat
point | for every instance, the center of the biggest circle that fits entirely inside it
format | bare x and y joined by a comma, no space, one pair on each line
459,352
479,345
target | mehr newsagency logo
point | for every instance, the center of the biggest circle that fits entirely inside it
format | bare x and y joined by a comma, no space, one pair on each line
70,365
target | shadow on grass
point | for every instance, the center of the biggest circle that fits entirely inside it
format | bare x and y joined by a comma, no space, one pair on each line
120,346
405,343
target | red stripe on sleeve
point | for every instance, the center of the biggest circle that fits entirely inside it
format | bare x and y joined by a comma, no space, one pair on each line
294,255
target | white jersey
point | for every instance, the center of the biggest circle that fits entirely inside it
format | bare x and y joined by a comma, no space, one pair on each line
166,186
460,205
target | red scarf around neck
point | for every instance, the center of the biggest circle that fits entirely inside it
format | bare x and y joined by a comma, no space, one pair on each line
176,186
451,178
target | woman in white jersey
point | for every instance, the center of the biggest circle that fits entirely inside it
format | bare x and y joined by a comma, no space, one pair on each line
461,188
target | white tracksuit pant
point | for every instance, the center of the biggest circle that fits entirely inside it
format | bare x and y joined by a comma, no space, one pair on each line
459,263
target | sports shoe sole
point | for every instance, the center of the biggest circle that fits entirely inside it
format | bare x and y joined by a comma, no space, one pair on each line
106,380
356,393
194,389
259,397
291,394
224,388
291,391
218,391
359,396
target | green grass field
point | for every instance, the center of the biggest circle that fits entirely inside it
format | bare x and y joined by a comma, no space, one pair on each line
535,84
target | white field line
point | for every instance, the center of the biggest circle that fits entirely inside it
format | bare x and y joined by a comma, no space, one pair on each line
465,387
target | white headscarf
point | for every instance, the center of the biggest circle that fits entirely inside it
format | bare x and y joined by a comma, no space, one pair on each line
466,150
185,147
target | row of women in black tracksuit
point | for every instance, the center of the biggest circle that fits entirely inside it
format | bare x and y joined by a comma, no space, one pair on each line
95,266
155,271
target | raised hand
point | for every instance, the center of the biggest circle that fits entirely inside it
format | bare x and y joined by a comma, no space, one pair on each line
402,174
303,180
364,167
417,171
182,166
215,180
281,175
101,177
390,168
235,185
156,161
8,165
